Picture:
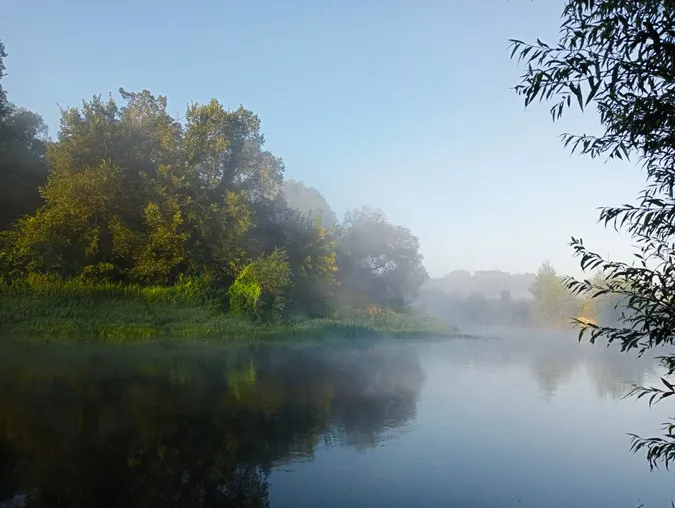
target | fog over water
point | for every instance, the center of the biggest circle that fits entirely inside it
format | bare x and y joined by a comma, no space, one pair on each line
527,419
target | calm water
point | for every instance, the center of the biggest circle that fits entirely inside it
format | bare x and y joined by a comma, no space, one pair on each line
525,421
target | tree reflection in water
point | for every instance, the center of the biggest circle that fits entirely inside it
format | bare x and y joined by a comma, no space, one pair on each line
150,426
552,357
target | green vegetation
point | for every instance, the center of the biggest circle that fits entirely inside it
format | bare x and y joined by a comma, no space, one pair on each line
308,201
49,307
617,57
258,291
133,224
553,304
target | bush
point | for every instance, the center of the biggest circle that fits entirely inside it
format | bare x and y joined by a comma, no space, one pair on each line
98,273
259,291
245,297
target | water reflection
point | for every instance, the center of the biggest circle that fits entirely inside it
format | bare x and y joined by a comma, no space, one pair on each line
189,427
552,358
526,420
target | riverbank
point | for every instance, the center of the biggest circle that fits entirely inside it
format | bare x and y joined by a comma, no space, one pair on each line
109,312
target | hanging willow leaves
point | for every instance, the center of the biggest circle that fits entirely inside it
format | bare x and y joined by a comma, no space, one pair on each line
619,56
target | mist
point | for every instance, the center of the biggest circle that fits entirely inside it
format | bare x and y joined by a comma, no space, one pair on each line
299,254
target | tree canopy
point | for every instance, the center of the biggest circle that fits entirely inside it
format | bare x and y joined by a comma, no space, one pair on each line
379,259
554,304
309,202
129,194
23,136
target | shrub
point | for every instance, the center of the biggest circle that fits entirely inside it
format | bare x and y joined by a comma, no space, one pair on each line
245,297
259,291
98,273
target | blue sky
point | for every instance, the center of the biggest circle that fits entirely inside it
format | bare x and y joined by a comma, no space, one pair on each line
403,105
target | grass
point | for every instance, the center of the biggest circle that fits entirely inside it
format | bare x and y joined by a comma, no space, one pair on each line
48,308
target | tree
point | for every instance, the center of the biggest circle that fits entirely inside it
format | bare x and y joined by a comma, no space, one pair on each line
4,106
619,56
23,137
379,260
554,305
309,202
131,195
131,187
23,144
312,256
105,197
226,147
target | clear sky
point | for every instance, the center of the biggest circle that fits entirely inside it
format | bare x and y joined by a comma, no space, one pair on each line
403,105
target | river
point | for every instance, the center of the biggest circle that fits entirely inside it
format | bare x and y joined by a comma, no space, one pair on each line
525,419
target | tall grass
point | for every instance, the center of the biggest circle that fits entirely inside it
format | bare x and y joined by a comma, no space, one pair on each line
193,290
48,307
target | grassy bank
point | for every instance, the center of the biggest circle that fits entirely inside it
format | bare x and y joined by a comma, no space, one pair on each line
54,309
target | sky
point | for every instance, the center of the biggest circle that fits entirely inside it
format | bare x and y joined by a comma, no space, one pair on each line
403,105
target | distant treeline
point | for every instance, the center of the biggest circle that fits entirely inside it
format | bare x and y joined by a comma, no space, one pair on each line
128,194
487,283
501,298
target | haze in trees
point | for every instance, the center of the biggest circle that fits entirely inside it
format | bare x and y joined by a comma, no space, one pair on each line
128,194
308,201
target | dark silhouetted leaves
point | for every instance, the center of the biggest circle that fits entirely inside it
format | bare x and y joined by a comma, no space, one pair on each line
619,56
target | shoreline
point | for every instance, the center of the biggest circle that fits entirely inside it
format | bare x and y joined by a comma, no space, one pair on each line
121,315
320,329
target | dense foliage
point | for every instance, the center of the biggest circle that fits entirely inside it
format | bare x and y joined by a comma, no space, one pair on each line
619,56
129,195
22,149
259,289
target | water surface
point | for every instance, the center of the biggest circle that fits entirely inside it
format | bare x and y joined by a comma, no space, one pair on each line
529,420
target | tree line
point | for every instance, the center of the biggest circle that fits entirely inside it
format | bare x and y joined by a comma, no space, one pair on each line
540,300
128,194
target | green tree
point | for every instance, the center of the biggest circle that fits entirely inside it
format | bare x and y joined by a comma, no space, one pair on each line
23,137
227,150
133,195
311,249
312,257
23,144
129,186
617,56
309,202
379,260
103,195
554,305
67,233
607,306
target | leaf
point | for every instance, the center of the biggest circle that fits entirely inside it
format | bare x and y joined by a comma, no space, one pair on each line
543,44
577,91
595,86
